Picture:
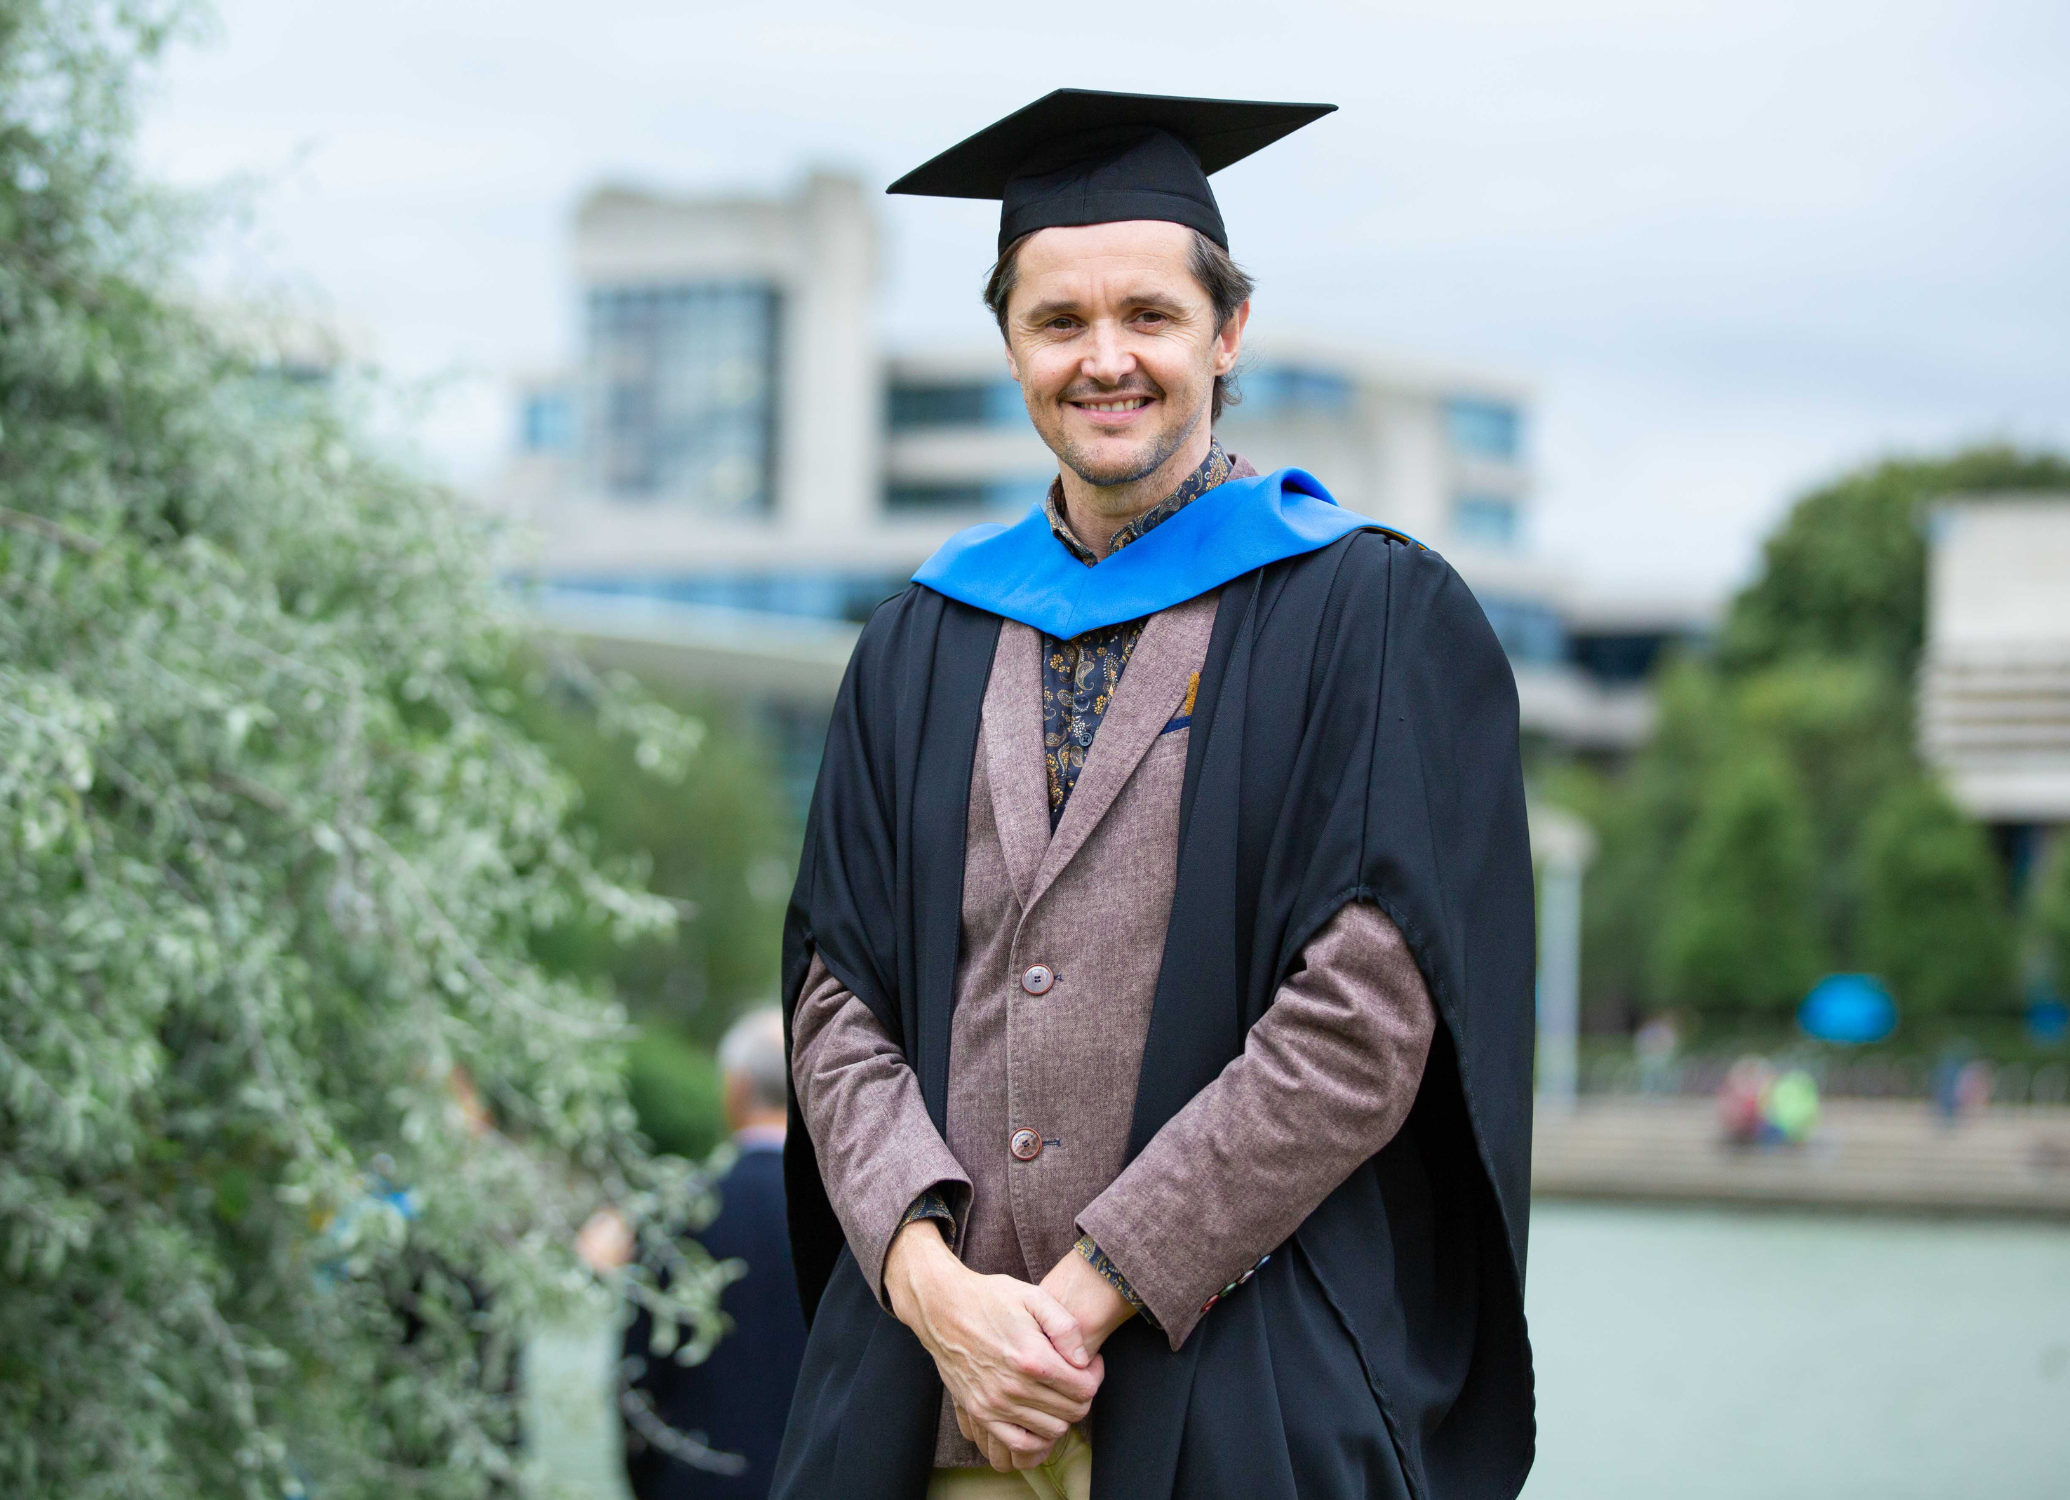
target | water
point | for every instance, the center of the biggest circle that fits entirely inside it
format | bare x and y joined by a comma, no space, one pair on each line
1685,1354
1696,1353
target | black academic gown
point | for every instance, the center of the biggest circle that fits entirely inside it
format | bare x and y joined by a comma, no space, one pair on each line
1354,737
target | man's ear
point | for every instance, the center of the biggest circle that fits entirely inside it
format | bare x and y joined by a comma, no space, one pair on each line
1229,342
1012,368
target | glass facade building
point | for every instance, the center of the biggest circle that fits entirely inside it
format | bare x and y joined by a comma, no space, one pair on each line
1293,391
683,398
917,406
1487,521
1484,429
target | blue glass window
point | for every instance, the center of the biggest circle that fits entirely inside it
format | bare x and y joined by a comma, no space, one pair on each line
1486,520
976,494
685,393
807,594
547,422
1484,429
955,403
1530,632
1291,390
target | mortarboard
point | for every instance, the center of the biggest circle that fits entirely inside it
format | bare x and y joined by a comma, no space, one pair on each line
1083,156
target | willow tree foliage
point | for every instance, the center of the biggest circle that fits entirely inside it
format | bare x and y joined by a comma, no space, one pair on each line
294,1133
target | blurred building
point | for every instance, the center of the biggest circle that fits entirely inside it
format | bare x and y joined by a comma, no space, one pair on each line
1994,685
733,472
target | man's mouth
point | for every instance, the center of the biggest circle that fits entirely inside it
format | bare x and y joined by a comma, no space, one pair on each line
1114,405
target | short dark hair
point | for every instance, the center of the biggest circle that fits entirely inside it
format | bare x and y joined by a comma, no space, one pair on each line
1227,284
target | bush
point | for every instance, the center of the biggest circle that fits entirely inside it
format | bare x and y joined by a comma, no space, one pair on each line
1935,923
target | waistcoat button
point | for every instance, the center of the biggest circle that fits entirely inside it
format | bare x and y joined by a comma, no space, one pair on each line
1027,1145
1038,979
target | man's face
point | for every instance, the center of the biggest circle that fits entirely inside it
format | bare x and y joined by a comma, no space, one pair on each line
1115,346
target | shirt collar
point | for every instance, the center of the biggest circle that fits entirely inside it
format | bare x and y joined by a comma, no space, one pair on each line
1213,470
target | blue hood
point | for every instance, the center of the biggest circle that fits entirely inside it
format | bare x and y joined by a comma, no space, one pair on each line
1024,573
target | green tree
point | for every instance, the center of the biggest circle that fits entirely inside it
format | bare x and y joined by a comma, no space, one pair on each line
2051,908
1740,932
1845,574
1844,726
293,1128
1641,819
1816,664
1934,920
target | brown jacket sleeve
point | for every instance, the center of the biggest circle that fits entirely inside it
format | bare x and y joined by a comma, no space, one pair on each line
878,1150
1326,1077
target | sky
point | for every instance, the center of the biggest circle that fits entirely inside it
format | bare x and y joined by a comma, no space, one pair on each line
1734,248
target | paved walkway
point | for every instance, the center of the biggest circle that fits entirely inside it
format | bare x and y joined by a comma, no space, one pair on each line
1868,1154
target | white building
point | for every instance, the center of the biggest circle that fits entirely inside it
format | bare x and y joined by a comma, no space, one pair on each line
1994,686
732,445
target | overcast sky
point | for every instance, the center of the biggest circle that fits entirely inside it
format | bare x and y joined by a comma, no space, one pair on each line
1735,247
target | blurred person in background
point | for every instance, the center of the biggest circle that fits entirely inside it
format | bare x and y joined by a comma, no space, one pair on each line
710,1431
1656,1044
1159,969
1961,1084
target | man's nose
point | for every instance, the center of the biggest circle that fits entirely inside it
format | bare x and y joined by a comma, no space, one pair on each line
1108,360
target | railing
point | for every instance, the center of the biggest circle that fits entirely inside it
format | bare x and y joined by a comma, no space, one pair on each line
1867,1078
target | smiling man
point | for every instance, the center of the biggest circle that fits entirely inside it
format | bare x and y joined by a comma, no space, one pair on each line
1158,976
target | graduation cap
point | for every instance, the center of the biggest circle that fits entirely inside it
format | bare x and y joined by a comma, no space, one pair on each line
1083,156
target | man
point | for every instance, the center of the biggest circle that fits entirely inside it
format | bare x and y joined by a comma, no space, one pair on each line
1159,970
710,1431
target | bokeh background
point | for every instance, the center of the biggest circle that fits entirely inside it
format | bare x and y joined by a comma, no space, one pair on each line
445,452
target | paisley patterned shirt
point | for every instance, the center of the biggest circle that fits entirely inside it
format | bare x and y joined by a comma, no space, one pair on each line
1079,676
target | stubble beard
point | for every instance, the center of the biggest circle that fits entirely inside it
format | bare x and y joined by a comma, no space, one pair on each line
1075,458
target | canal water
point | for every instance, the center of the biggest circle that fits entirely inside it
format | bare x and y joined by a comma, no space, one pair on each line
1687,1354
1695,1354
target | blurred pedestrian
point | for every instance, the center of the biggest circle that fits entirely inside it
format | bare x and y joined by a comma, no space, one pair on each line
733,1404
1656,1045
1739,1100
1790,1107
1962,1084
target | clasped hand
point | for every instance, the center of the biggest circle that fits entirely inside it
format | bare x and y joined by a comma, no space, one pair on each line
1021,1362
